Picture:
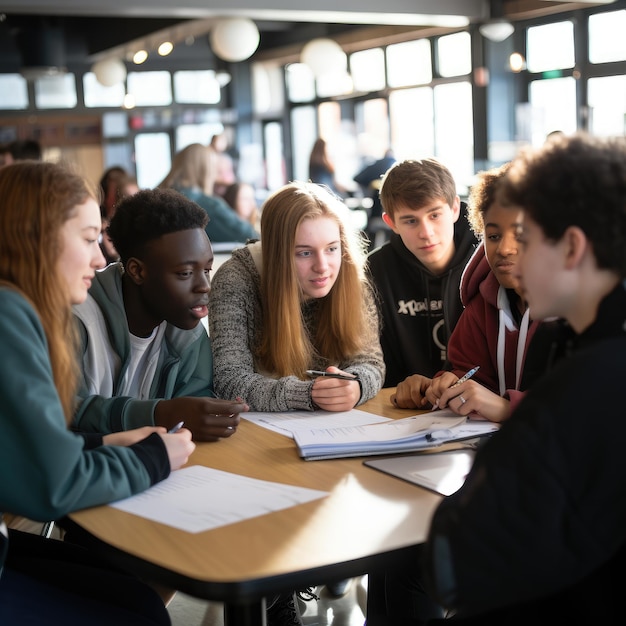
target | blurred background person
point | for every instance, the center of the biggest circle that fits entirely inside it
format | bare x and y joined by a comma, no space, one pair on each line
193,174
26,150
115,185
322,169
241,197
369,180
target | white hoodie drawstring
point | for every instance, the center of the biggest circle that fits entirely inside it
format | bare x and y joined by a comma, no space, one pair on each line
506,322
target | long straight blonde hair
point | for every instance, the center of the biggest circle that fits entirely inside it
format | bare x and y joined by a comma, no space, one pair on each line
36,199
344,324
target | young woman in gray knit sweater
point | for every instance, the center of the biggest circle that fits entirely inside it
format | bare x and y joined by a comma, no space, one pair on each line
297,300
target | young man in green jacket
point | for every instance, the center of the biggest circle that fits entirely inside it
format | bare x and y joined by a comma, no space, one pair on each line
146,358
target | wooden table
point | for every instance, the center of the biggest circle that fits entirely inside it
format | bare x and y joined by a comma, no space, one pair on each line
362,525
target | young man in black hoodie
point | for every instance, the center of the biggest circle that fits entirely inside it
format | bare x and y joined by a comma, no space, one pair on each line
417,273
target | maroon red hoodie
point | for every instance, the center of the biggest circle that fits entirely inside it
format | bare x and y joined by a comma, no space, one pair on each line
487,333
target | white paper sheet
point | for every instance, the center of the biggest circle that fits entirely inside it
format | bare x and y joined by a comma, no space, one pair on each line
288,422
199,498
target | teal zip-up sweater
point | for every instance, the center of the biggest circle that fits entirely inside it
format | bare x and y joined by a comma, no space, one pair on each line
46,472
184,368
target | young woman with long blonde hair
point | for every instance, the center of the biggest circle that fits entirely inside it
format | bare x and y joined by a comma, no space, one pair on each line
49,227
297,300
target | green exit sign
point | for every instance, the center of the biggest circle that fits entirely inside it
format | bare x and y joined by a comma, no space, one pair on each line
552,74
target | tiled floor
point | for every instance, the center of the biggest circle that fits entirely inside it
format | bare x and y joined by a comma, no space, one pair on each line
187,611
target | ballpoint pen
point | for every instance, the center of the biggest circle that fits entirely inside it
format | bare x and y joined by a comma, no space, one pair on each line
461,380
316,373
176,428
466,376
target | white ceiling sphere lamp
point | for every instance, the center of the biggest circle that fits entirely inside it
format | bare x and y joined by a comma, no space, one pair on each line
109,72
324,56
234,39
496,30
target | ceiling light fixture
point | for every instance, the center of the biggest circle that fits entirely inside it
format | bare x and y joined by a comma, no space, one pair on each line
496,30
324,56
109,72
234,38
140,56
165,48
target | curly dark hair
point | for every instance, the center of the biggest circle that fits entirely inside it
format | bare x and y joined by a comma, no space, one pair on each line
483,195
576,180
150,214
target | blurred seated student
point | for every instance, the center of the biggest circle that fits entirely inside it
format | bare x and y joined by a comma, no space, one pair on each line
193,174
370,181
322,169
49,226
495,329
26,150
241,197
537,534
116,183
145,357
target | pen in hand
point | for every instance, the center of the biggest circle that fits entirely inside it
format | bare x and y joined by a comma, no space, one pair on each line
176,428
316,373
465,377
460,381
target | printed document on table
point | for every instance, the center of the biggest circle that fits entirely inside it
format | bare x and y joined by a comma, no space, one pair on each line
199,498
289,422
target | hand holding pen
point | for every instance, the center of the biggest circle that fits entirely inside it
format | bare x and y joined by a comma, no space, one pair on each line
332,391
460,381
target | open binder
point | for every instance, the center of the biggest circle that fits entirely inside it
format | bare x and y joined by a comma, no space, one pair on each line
410,434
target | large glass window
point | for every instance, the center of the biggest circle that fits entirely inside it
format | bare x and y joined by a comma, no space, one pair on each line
300,82
13,92
607,105
186,134
338,83
153,158
275,164
197,86
553,107
372,127
409,63
550,47
606,37
454,55
268,89
56,92
304,125
412,123
97,95
150,88
454,131
368,69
